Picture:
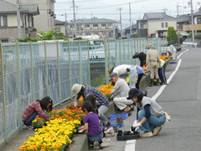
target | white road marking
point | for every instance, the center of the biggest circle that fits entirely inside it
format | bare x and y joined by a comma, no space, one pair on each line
130,145
158,93
181,54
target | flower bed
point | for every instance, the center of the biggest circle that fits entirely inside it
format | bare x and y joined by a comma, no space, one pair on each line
57,133
106,89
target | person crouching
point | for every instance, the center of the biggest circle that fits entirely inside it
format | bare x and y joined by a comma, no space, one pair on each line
92,125
150,116
37,108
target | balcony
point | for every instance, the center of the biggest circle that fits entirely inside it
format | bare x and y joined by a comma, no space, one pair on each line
196,27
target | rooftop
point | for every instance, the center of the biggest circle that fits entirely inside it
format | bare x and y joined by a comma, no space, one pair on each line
157,16
184,18
9,8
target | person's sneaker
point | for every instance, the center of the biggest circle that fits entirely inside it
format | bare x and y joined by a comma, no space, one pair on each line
146,135
167,116
157,130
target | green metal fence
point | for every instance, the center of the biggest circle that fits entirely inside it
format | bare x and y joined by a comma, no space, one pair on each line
30,71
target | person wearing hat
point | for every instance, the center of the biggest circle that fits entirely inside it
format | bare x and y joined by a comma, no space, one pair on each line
102,102
150,116
120,93
153,62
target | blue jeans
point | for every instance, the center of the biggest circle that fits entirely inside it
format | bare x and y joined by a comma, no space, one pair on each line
161,74
152,122
102,113
28,121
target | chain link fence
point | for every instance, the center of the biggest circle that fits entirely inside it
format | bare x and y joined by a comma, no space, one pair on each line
30,71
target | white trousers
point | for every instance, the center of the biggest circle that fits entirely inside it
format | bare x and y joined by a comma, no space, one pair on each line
122,102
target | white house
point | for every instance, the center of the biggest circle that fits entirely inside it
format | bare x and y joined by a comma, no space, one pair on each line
156,24
8,21
45,20
93,26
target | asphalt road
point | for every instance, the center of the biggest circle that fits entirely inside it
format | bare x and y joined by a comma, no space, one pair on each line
182,99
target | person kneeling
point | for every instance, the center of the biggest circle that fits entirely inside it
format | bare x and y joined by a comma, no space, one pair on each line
150,117
37,108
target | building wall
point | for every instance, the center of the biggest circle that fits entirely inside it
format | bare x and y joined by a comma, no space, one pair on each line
12,20
44,21
102,29
8,34
154,26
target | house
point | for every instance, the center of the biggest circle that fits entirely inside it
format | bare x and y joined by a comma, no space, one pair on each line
183,20
133,31
94,26
45,20
187,27
8,21
155,24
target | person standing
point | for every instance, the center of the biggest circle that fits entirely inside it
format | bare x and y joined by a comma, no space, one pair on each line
161,72
153,62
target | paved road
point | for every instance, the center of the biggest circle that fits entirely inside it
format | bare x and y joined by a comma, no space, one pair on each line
181,98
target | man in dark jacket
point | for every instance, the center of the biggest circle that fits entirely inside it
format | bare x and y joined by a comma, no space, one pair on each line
142,57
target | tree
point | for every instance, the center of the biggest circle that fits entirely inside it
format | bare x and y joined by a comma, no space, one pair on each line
171,36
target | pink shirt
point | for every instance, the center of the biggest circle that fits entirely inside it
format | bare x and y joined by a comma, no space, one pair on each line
34,107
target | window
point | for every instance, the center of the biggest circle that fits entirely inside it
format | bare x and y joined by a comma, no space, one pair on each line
3,21
166,24
162,25
103,25
95,25
198,20
87,25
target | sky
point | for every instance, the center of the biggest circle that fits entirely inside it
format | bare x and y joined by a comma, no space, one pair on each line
110,8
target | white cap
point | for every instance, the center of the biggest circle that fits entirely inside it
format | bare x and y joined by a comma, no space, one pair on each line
76,88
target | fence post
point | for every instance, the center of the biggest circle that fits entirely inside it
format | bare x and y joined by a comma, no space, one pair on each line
2,93
70,66
89,65
58,71
31,76
116,53
80,62
120,46
106,61
18,84
46,69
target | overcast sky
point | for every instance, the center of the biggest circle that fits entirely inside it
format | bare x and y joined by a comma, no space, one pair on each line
110,8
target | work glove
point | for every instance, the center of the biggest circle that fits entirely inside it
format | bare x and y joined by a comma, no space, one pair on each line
136,124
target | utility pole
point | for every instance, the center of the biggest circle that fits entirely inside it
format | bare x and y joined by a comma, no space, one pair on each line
192,21
165,10
18,19
66,32
130,19
177,25
74,18
120,9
